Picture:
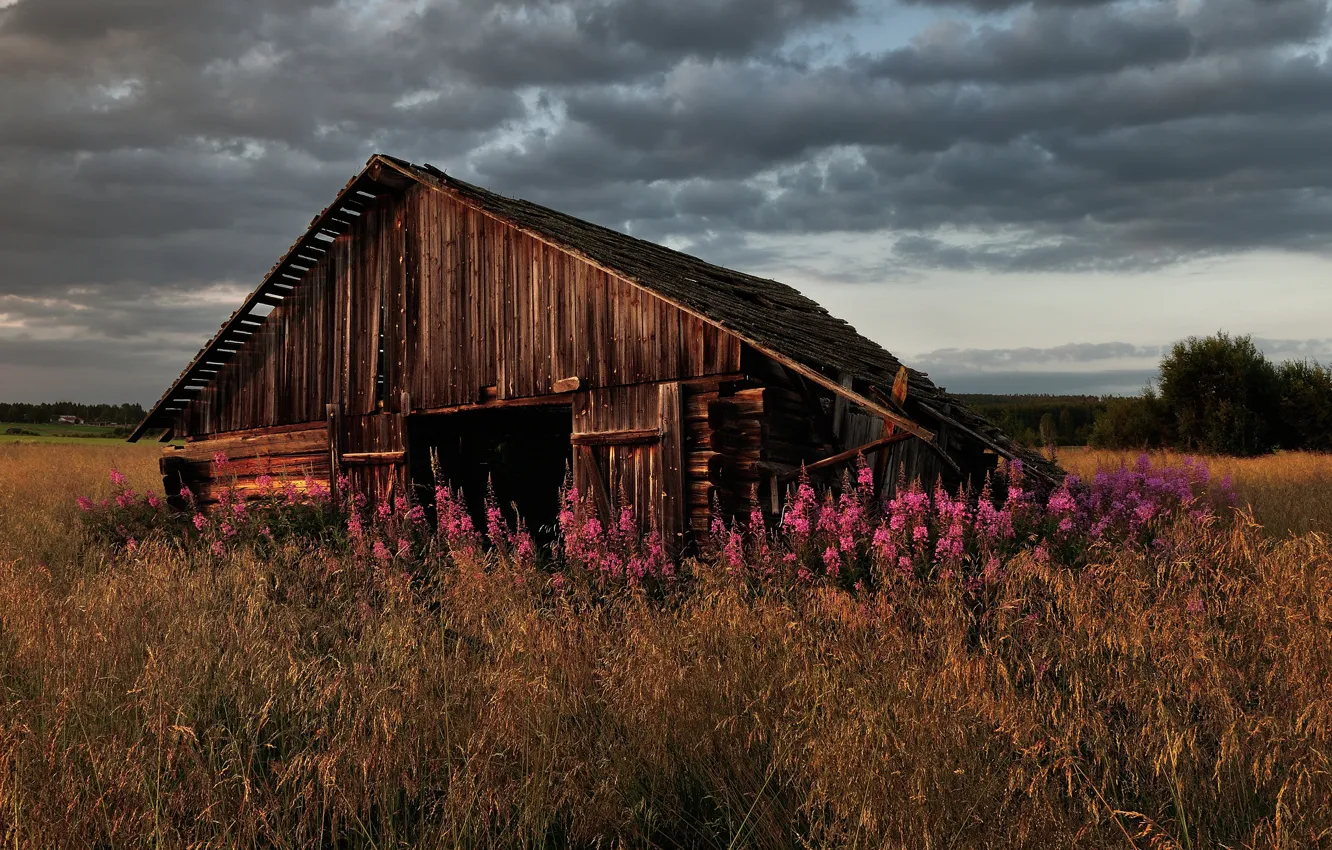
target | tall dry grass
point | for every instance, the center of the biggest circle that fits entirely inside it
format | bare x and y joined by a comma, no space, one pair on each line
172,699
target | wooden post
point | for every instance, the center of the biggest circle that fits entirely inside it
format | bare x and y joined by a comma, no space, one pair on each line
334,425
673,496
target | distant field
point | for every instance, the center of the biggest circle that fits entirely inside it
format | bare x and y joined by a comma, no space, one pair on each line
54,433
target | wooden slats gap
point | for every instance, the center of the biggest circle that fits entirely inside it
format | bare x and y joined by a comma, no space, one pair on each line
261,295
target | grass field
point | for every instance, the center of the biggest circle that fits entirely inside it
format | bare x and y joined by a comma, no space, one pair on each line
310,698
51,433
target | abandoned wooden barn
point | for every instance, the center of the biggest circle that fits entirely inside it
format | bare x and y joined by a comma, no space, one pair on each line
420,315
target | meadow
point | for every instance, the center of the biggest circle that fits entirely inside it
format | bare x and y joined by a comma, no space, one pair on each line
60,434
1174,693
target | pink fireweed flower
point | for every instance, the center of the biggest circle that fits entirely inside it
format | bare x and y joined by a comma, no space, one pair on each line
733,551
558,581
381,551
404,547
797,519
355,530
524,548
417,515
400,503
832,561
85,504
239,509
226,529
883,544
217,548
200,522
186,494
220,458
265,484
131,545
627,525
153,501
266,532
290,493
125,499
865,476
496,528
384,510
117,478
828,515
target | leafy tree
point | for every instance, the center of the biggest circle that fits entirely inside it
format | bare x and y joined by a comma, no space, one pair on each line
1222,395
1132,423
1047,430
1305,390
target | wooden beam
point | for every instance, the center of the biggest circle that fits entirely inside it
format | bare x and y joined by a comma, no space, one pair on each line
558,400
373,457
839,407
982,439
617,438
849,454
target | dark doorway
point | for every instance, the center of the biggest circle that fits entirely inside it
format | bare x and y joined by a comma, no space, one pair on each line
523,451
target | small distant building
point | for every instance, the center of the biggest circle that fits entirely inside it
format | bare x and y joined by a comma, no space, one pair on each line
424,327
70,420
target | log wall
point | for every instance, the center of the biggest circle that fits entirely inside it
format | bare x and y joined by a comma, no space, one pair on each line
295,455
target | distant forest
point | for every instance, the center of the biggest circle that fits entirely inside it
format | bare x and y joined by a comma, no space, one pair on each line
42,414
1037,420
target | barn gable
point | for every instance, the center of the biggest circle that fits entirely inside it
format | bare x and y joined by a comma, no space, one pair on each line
416,295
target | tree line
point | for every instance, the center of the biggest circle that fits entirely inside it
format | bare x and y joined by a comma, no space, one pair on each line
1216,395
48,412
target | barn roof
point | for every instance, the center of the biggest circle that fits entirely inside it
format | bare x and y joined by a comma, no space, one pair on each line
770,315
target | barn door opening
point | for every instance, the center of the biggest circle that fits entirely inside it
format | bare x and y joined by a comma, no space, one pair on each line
524,452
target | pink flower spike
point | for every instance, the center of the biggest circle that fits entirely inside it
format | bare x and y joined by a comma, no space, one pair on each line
117,478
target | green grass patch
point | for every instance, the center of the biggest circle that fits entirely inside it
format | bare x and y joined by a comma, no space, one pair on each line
29,432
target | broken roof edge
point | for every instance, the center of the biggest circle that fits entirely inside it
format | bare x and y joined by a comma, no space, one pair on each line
319,224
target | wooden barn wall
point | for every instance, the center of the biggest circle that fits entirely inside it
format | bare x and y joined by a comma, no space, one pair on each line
627,450
280,375
372,453
297,456
488,305
428,296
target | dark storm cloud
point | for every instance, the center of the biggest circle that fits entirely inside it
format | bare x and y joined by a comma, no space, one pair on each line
157,156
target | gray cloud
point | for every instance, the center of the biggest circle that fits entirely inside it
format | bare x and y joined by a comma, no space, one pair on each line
154,154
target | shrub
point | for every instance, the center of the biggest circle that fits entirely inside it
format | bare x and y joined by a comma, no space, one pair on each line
1132,423
1305,390
1222,395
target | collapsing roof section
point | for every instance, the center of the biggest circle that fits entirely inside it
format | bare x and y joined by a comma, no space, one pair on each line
772,317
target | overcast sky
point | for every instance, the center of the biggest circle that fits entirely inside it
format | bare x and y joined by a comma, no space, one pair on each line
1012,196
